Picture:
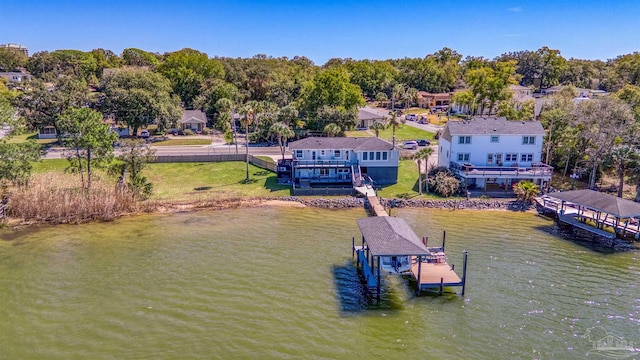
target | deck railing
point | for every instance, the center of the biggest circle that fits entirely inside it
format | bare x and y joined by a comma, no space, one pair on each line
535,170
323,163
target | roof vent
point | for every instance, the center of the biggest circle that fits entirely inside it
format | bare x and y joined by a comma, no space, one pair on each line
494,129
522,122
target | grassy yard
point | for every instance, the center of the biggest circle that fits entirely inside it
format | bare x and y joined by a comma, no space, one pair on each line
31,136
183,181
407,132
50,165
180,142
358,133
407,186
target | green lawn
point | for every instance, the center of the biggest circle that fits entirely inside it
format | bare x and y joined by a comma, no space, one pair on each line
182,181
179,142
357,133
50,165
407,186
31,136
406,132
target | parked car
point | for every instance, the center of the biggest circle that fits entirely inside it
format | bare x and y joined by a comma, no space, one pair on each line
144,134
410,145
423,142
411,117
174,131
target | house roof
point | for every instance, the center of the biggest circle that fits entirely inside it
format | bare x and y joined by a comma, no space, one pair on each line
493,125
338,143
595,200
193,116
369,114
390,236
518,87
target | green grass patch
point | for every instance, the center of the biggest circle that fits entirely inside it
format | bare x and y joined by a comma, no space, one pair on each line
268,159
407,132
50,165
31,136
407,185
183,181
358,133
179,142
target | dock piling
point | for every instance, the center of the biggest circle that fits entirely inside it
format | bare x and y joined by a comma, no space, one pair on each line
464,271
441,285
444,238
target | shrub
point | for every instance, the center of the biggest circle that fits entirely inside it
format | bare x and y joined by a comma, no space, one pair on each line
228,137
437,135
206,131
443,182
526,191
188,132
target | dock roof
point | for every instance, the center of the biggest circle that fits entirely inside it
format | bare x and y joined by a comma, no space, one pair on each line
595,200
390,236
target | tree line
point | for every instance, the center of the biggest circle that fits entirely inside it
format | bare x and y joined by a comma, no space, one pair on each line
274,97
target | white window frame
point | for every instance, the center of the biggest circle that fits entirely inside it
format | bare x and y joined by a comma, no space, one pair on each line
322,153
337,154
528,140
299,154
464,156
464,139
525,157
497,139
325,172
511,157
385,155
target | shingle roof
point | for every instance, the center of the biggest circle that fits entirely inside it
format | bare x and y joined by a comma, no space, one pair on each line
595,200
390,236
340,143
494,125
364,114
190,115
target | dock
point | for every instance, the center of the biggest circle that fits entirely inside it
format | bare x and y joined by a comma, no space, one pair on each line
391,237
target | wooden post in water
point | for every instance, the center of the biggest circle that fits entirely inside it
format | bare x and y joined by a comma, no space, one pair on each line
444,238
441,282
464,271
378,294
418,277
353,246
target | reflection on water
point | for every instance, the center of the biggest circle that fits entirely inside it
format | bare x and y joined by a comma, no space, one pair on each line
279,283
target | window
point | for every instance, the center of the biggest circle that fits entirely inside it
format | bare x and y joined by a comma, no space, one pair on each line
337,154
495,138
364,155
528,140
370,155
299,154
384,155
322,152
377,155
324,172
526,157
48,130
463,157
464,139
510,157
489,159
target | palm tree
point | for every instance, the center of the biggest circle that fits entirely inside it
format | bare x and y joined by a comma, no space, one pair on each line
396,94
226,105
378,126
395,122
624,157
282,132
381,98
526,191
423,154
249,112
411,96
332,130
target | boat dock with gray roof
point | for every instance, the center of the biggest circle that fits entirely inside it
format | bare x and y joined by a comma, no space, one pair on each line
386,237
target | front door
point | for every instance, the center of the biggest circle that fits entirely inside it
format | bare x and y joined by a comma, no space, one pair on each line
498,158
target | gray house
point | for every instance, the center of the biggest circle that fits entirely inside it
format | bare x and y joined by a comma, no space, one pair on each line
340,160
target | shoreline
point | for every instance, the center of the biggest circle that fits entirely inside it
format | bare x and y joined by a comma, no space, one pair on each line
169,207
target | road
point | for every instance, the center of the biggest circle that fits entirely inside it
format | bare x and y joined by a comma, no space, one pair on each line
273,151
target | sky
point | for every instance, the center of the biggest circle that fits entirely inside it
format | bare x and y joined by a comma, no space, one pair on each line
321,30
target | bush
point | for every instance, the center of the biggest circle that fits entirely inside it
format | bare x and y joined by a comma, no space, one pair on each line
228,137
188,132
443,182
206,131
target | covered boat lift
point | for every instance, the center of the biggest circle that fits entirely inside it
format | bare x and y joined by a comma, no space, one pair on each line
603,209
391,236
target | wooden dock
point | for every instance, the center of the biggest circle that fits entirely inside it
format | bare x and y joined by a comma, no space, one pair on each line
435,275
376,207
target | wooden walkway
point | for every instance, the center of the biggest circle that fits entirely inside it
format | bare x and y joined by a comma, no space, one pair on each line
376,207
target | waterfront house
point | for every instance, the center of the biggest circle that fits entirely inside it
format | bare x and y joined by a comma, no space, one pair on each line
194,120
493,153
342,161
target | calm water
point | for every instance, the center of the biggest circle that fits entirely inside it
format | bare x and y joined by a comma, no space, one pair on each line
278,283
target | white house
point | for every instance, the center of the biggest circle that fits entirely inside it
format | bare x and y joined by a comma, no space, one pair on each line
334,160
492,152
195,120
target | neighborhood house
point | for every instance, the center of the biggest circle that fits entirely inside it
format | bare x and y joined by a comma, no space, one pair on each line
494,153
339,161
194,120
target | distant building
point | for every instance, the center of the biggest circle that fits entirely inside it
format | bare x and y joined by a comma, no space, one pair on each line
367,116
436,101
20,48
15,77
